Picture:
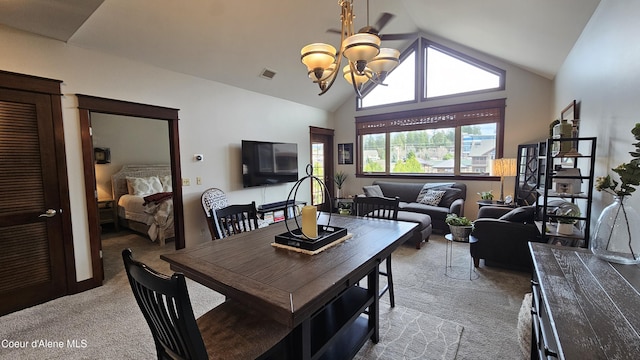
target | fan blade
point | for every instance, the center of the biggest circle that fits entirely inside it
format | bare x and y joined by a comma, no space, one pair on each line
404,36
383,20
335,31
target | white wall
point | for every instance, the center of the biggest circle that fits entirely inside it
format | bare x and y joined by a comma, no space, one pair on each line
214,118
526,121
602,72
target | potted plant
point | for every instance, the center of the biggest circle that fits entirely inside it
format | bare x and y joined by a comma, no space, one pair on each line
459,226
486,196
566,221
344,208
339,178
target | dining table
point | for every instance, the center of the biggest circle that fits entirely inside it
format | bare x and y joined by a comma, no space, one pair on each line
329,300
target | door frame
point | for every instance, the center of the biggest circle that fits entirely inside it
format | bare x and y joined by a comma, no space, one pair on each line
88,104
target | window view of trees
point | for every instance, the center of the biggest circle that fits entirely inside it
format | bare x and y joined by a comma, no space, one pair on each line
431,151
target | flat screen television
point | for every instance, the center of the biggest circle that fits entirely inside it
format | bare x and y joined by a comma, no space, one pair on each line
268,163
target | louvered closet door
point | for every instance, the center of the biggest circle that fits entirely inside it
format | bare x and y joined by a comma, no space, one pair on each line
32,267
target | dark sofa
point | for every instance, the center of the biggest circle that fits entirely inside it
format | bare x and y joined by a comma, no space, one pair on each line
451,202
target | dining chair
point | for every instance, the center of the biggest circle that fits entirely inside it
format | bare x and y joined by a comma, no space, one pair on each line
234,219
213,198
381,208
228,331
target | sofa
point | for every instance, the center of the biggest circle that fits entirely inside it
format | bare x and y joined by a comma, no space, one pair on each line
452,201
501,237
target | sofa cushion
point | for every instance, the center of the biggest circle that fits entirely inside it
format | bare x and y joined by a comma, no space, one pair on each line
450,195
423,220
372,191
524,214
431,197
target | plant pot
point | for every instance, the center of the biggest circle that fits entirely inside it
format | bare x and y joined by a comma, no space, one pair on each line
460,233
565,229
345,211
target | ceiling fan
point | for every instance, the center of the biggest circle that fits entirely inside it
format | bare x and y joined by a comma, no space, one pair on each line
382,21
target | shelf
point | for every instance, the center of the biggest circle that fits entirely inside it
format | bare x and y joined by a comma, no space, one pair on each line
553,193
552,231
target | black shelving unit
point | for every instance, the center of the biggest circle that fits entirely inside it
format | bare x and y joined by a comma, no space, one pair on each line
552,164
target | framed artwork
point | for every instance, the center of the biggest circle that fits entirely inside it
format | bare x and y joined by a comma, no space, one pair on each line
345,154
102,155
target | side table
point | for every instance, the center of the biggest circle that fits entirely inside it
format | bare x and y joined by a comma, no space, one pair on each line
449,257
108,213
495,203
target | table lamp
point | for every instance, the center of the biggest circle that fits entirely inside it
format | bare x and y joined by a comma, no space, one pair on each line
503,167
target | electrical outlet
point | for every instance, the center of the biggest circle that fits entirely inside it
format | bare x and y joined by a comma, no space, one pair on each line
186,182
198,180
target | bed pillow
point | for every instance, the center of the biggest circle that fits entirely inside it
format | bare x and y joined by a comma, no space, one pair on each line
144,186
166,183
373,191
432,197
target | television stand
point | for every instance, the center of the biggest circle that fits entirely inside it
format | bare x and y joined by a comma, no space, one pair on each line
280,210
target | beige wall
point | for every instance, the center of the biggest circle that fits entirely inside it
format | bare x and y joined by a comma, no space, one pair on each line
526,121
214,118
602,72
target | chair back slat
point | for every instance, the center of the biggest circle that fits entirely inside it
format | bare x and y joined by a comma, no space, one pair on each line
164,302
234,219
378,207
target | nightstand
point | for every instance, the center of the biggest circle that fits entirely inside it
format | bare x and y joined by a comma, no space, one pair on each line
108,213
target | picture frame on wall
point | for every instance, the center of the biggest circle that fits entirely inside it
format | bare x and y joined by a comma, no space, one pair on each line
345,154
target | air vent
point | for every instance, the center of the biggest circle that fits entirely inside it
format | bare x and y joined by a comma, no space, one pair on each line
267,74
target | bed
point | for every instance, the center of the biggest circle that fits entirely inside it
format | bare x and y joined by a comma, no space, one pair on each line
144,197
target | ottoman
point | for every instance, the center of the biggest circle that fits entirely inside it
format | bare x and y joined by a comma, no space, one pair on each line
424,229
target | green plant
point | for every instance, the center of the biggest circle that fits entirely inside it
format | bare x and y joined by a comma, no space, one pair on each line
486,195
344,205
455,220
339,178
629,173
573,212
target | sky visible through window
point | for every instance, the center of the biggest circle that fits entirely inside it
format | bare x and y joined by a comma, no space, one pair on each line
400,87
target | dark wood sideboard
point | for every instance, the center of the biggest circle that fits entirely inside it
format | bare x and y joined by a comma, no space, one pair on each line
583,307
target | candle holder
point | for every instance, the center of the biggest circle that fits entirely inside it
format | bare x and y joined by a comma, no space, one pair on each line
297,238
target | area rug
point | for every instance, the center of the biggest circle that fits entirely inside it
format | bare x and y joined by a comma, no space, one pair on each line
411,334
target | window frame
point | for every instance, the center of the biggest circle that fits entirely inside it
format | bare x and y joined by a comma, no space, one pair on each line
420,46
456,116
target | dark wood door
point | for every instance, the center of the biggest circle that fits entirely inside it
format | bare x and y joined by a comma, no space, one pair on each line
322,161
32,252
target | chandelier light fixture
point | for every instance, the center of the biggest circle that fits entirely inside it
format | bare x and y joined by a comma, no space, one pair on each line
366,60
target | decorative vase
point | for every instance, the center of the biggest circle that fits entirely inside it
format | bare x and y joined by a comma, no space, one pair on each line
338,193
460,233
562,130
565,228
617,235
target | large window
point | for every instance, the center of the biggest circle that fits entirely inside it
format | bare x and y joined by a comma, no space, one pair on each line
457,140
429,70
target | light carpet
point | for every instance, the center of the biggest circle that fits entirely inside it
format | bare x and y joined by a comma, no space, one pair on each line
431,311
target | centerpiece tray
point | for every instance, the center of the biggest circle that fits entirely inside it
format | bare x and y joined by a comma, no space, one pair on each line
326,235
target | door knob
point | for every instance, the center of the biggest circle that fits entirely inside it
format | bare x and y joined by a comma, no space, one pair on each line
49,213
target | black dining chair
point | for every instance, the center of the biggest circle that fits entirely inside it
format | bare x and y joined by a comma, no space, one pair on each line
234,219
382,208
228,331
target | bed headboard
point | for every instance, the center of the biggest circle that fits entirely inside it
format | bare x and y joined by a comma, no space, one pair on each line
119,179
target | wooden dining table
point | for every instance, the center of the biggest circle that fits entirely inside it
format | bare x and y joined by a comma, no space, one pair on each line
318,296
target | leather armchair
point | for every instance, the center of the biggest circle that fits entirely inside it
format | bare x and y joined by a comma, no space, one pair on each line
502,235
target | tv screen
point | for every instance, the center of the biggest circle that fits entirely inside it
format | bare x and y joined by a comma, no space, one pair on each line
268,163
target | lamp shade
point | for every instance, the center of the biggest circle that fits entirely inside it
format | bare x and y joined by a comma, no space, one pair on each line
318,56
386,60
325,73
503,167
361,47
360,79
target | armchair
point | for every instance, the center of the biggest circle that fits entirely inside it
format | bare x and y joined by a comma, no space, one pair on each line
501,235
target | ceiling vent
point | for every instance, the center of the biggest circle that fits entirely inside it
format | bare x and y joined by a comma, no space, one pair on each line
267,74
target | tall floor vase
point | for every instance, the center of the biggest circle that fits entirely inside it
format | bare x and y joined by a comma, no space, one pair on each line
617,235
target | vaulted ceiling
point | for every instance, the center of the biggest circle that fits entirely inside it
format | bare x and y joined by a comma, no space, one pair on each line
234,41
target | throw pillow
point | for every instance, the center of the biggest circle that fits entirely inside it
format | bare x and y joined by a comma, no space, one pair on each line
166,183
450,195
373,191
144,186
524,214
432,197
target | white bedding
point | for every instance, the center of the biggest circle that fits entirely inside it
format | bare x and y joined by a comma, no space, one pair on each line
159,217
